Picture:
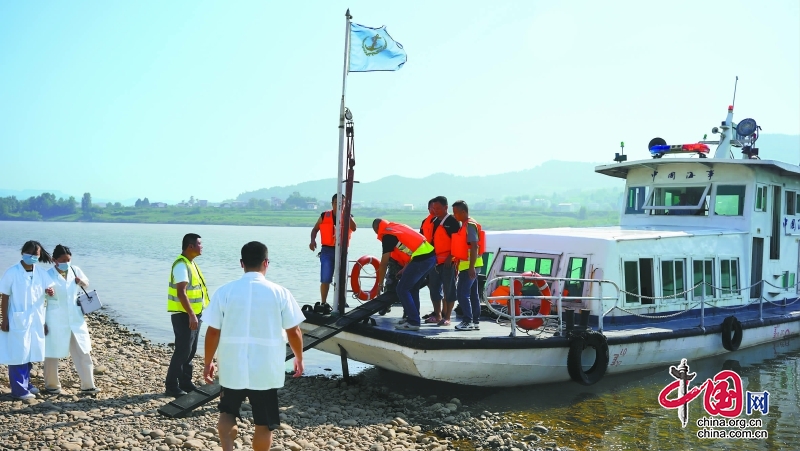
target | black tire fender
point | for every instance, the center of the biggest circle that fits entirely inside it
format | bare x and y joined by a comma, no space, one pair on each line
577,344
731,333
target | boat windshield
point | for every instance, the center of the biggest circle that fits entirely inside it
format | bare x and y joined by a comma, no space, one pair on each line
678,200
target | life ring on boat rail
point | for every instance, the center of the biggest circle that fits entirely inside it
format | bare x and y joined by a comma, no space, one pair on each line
355,274
731,333
577,343
545,306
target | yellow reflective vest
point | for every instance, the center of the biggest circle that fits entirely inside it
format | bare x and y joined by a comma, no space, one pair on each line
196,290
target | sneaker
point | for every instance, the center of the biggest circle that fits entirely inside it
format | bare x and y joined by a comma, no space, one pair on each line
465,325
90,391
476,326
406,326
53,391
402,321
26,396
33,390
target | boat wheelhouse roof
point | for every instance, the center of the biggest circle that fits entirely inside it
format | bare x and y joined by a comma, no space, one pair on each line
614,233
620,170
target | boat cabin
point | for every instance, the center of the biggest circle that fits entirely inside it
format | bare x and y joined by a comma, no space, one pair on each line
718,230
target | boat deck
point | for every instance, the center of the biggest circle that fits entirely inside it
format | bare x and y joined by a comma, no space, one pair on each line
492,330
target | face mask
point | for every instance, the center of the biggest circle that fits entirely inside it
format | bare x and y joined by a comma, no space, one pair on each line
30,259
63,266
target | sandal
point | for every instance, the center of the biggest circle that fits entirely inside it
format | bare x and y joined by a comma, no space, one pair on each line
444,322
432,320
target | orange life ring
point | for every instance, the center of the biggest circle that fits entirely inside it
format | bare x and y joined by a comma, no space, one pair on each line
544,308
355,283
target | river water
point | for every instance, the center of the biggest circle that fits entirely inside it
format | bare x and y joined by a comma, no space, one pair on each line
128,264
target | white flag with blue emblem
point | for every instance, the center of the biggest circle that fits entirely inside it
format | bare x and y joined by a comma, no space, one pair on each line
372,49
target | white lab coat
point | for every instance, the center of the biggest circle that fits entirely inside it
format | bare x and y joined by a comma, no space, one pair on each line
64,315
24,341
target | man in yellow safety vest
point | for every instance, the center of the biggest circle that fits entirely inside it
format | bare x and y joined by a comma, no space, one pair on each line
186,299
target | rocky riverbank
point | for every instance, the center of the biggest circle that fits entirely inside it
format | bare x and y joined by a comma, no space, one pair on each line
317,413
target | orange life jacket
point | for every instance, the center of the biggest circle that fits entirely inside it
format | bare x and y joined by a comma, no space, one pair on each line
327,230
442,242
410,241
459,247
427,228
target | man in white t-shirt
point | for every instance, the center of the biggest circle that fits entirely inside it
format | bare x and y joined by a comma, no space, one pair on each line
246,319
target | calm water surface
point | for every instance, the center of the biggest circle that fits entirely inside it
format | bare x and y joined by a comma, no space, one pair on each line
129,265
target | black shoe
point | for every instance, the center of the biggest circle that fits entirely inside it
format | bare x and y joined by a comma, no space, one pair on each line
318,308
174,392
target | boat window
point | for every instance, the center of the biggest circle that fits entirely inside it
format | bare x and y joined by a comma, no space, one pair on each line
729,200
541,266
635,200
729,276
673,279
787,280
575,270
761,198
791,207
704,275
488,257
639,280
678,200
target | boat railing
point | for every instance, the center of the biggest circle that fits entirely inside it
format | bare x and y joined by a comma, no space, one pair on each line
512,299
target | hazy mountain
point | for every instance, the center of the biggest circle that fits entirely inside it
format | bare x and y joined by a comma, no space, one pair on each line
539,182
784,148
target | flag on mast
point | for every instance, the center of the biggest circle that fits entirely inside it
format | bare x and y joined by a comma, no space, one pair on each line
372,49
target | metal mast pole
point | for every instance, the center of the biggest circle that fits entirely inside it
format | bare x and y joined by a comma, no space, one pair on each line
340,175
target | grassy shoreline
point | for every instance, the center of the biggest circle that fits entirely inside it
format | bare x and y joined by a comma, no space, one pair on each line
490,219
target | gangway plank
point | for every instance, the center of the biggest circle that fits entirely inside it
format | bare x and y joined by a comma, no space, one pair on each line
180,407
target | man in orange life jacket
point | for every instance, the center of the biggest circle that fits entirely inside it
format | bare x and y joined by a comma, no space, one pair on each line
438,229
403,241
326,224
467,247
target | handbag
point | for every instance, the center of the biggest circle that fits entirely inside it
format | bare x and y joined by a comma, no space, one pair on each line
88,301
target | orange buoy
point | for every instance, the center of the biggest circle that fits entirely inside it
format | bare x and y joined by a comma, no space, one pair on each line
355,282
505,291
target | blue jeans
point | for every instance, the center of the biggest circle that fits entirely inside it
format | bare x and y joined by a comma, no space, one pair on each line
468,298
327,261
408,287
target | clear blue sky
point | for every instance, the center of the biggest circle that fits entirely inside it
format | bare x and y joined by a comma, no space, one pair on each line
209,98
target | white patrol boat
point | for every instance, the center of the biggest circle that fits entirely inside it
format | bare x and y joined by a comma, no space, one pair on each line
704,262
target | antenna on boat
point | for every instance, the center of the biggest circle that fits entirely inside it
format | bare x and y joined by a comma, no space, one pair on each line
735,84
620,157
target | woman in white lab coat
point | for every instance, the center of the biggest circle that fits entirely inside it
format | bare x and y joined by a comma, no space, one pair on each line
67,333
22,307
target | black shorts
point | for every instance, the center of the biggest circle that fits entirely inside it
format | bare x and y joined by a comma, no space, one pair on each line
264,403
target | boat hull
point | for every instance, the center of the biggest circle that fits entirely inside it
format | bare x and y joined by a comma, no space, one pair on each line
543,360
